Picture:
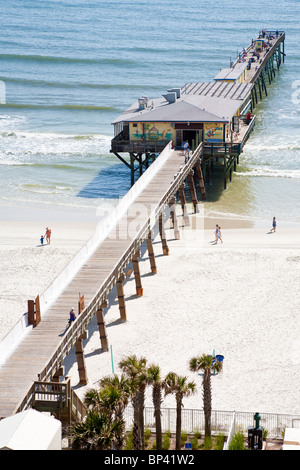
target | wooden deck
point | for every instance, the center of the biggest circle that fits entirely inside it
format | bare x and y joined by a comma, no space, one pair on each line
42,351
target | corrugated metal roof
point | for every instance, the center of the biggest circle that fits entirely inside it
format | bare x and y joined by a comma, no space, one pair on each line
199,102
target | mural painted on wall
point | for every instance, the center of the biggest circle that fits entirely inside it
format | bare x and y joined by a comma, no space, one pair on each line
151,131
213,132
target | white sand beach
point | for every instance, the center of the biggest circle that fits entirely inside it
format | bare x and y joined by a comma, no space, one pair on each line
239,298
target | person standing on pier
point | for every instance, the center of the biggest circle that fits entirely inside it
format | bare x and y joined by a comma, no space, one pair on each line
186,150
72,317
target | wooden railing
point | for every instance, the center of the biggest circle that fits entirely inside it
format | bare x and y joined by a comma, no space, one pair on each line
53,396
137,146
271,52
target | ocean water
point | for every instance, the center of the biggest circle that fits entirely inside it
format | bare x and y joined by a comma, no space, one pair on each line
70,67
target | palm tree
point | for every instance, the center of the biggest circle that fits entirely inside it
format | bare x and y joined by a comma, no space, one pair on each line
120,387
96,432
178,385
207,364
155,380
136,371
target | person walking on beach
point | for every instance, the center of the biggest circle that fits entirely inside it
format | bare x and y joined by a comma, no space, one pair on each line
274,223
48,235
42,240
216,233
219,235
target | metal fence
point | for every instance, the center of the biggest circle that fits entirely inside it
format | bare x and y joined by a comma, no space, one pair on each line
221,421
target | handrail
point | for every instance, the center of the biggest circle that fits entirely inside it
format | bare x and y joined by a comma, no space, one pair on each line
267,57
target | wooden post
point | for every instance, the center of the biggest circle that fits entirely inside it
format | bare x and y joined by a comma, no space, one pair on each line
137,274
121,297
80,360
200,179
34,312
56,377
151,253
80,304
172,207
193,190
102,326
163,235
31,310
132,168
186,219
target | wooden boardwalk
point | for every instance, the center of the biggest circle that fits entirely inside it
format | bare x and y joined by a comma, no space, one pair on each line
42,351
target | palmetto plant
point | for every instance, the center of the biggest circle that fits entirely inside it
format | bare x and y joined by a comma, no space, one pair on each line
111,399
136,371
207,364
97,432
179,386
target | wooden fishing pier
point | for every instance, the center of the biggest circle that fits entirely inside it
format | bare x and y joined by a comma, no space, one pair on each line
32,376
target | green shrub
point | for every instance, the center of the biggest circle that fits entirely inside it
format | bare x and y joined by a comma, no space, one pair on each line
219,442
237,442
207,444
129,441
194,442
183,437
166,440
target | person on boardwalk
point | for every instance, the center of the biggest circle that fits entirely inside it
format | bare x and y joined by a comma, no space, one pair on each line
186,147
72,317
48,235
274,223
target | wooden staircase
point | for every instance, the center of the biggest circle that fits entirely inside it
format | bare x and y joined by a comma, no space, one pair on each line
60,400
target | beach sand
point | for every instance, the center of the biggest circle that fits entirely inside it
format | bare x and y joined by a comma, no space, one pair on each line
239,298
27,268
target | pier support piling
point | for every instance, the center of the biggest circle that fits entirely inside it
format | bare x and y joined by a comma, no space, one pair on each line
163,235
137,274
81,360
193,191
172,206
121,297
185,216
151,253
102,326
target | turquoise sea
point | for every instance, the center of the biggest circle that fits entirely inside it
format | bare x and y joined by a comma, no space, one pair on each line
69,67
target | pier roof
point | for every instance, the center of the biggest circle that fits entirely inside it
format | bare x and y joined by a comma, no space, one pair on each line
198,102
232,73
